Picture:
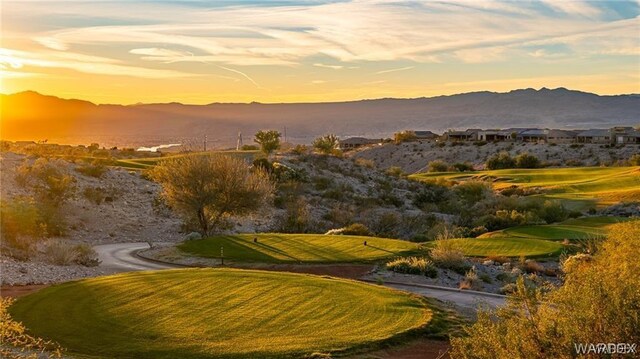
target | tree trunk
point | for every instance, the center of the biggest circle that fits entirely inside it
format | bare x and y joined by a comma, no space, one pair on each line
204,224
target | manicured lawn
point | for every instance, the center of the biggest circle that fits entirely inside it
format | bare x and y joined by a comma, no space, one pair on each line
221,313
580,228
606,185
144,163
288,248
508,247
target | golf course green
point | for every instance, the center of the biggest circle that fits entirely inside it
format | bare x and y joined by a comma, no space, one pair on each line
506,247
221,313
298,248
604,185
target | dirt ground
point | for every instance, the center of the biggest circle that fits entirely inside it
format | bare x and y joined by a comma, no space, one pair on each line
16,291
417,349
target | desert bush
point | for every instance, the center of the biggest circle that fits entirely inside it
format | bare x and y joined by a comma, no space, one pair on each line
365,162
473,191
385,224
16,343
98,195
357,229
95,169
446,255
395,171
463,166
470,280
269,140
413,265
498,259
297,217
501,160
438,166
61,252
531,266
598,303
634,160
19,222
404,136
48,181
526,160
327,144
553,211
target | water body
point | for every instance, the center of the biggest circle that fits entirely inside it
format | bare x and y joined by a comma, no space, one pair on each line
156,148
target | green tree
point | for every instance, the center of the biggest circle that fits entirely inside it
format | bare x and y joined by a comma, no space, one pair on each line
438,166
208,190
527,160
326,144
500,161
269,140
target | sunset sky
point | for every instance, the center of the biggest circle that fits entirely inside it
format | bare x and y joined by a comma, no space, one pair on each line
311,51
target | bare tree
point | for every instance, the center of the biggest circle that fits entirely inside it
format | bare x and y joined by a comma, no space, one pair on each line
209,189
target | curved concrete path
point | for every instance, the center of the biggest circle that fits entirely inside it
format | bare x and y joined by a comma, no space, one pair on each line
120,257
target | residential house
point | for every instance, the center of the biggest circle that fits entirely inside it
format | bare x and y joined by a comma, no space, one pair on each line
467,135
355,142
425,135
496,135
561,136
594,136
532,135
625,135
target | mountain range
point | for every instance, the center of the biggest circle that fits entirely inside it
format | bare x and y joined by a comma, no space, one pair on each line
33,116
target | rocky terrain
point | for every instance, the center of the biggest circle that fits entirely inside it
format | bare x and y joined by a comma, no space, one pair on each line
415,156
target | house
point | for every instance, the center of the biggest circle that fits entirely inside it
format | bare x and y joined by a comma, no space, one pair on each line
561,136
625,135
496,135
355,142
467,135
425,135
532,135
594,136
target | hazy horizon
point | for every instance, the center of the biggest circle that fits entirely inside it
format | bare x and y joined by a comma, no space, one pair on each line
314,51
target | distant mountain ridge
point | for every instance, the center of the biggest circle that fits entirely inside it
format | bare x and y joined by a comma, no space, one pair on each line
32,116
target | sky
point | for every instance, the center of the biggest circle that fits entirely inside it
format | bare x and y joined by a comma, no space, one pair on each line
314,51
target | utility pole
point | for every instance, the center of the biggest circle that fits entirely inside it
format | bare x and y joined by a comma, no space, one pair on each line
285,134
205,143
239,143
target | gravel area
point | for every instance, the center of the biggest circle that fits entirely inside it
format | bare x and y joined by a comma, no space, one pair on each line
13,272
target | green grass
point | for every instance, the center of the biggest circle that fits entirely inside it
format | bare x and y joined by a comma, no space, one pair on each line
507,247
293,248
221,313
572,229
148,162
605,185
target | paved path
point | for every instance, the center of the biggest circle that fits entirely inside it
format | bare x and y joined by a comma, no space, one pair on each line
120,257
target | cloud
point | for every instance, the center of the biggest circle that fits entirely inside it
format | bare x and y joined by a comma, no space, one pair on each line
334,67
395,70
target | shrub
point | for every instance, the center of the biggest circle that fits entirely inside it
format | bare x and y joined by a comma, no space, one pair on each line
327,144
635,160
95,169
60,252
447,256
403,136
16,343
365,162
526,160
598,303
395,171
357,229
19,221
553,211
48,181
531,266
413,265
470,279
438,166
249,148
499,161
463,166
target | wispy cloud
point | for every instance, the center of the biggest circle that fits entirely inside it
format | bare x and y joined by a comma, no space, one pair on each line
395,70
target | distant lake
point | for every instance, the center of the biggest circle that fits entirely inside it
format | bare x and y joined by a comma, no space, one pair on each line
156,148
